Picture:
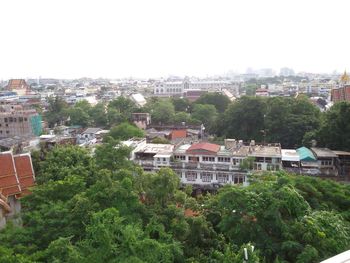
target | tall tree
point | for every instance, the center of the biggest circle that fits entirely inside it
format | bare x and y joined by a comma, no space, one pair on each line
120,110
244,119
55,113
163,112
206,113
288,120
181,104
217,99
335,129
125,131
98,115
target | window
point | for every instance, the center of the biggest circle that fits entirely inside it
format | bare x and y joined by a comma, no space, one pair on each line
224,159
206,177
257,166
326,163
7,132
238,179
193,159
5,119
180,157
208,159
179,174
14,119
191,176
25,119
10,119
222,177
164,159
0,131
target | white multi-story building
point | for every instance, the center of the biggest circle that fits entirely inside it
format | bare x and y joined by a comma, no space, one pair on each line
177,88
205,164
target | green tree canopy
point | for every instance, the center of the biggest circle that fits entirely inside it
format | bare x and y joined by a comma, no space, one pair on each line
244,119
125,131
163,111
120,110
217,99
55,113
335,127
181,104
206,113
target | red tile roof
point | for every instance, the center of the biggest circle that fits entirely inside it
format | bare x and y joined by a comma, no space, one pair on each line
25,172
16,174
17,83
204,146
178,134
9,184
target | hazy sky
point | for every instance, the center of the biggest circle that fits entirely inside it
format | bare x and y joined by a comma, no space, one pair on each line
152,38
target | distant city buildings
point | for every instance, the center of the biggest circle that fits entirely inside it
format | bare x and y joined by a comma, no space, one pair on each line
208,165
286,72
182,87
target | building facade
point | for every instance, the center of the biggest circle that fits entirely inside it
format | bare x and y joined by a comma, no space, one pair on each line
178,88
342,92
207,165
16,121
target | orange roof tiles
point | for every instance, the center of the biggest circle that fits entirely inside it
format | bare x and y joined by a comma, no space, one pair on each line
16,174
25,172
178,134
203,146
17,83
9,184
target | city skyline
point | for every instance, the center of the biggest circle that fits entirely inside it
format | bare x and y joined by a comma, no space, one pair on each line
141,39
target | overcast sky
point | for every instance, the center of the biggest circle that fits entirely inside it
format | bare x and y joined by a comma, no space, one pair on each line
152,38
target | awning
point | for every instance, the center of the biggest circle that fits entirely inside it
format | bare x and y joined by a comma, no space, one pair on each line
306,155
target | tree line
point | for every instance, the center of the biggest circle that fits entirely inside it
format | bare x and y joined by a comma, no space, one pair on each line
293,122
103,208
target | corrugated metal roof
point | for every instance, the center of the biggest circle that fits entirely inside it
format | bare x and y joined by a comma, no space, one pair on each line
306,154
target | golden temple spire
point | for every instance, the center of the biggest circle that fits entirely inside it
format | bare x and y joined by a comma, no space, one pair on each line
345,78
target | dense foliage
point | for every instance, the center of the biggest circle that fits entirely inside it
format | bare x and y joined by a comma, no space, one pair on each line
102,208
293,122
82,113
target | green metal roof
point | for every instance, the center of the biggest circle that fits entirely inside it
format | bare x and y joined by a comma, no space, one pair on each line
306,154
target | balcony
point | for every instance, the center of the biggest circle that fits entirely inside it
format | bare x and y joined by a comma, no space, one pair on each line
191,165
206,166
162,163
222,167
145,163
176,165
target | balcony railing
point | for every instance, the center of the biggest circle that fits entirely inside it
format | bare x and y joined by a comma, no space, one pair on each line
176,164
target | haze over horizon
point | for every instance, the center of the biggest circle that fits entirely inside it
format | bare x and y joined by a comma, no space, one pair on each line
73,39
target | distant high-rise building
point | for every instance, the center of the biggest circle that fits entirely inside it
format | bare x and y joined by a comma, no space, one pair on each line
287,72
266,73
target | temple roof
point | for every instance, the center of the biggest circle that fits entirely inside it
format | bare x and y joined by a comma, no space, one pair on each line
345,78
